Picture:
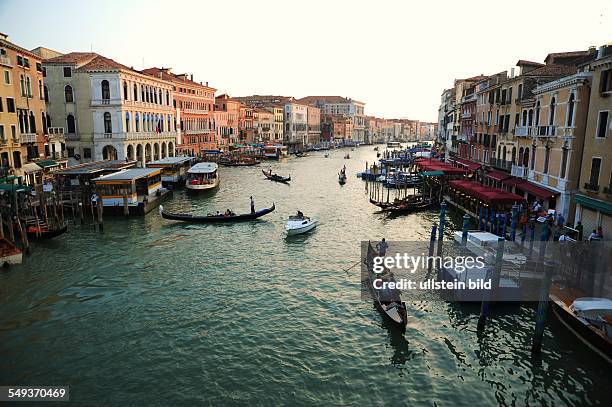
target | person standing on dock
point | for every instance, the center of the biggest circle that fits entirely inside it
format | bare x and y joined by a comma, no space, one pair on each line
252,205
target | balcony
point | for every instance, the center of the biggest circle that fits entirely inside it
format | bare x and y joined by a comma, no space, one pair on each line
591,187
568,132
466,115
195,111
501,164
145,136
518,171
546,131
55,133
522,131
28,137
105,102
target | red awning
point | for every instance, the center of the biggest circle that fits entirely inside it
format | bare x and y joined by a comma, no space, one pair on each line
526,186
497,175
485,193
470,165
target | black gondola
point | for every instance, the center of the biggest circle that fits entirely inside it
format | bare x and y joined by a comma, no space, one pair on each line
388,302
409,206
35,233
276,177
185,217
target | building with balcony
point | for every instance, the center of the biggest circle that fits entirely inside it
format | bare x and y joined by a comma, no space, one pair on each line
594,198
194,104
263,123
314,125
227,115
343,107
109,111
296,125
246,127
23,117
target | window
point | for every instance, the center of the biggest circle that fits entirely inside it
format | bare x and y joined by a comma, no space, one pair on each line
32,123
595,168
125,90
68,94
2,135
605,82
22,87
553,106
546,159
87,153
7,77
533,156
564,153
40,90
602,124
537,114
70,124
108,125
520,91
38,67
46,93
137,122
28,87
135,92
127,121
1,106
570,111
524,118
67,72
105,90
10,105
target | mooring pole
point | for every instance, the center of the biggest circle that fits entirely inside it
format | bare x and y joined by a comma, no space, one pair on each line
480,219
441,230
514,222
494,277
536,346
432,241
464,230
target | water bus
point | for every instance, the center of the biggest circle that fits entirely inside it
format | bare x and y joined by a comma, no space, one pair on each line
174,169
275,151
202,177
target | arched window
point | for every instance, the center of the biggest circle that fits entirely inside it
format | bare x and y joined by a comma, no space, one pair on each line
125,91
46,90
32,123
41,94
530,120
108,125
154,96
537,114
105,90
70,124
514,155
546,159
167,98
48,120
44,122
68,94
526,157
137,122
127,121
570,111
135,93
22,85
520,156
533,156
524,118
142,93
28,87
504,154
553,107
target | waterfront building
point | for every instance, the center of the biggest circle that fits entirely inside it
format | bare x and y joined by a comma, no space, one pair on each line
446,120
110,111
263,101
279,119
26,135
263,123
296,125
246,127
594,198
336,129
227,112
194,103
341,106
314,125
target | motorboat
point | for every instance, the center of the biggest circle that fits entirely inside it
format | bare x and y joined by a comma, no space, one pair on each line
299,224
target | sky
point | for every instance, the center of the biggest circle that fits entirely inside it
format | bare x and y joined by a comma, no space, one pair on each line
396,56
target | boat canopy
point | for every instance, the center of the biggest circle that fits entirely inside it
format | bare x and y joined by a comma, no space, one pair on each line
203,168
592,306
129,175
171,160
96,166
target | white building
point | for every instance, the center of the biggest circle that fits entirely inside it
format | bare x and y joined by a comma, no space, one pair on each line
108,110
296,125
341,106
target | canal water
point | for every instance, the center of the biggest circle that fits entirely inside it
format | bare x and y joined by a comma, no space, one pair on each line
153,312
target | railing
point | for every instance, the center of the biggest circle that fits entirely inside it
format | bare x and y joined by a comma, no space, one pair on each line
546,131
200,131
501,164
28,137
466,115
591,187
196,111
57,155
568,132
523,131
518,171
105,102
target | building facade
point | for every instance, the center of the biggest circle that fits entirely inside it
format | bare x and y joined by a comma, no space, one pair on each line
341,106
296,125
110,111
314,125
227,114
263,122
194,103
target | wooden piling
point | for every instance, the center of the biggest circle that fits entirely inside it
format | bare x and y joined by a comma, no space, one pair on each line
100,208
536,346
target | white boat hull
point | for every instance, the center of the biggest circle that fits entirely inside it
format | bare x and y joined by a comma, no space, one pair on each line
294,228
202,187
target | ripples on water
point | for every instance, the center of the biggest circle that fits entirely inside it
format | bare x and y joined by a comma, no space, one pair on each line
167,313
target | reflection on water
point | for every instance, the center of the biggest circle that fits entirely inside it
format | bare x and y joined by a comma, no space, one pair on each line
180,314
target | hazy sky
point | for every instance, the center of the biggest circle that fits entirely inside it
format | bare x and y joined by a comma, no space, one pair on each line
397,56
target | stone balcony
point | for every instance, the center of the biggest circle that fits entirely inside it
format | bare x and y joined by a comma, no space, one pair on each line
105,102
546,131
28,137
56,134
519,171
144,136
196,111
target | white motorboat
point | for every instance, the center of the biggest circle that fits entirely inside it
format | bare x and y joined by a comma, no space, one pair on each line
299,224
202,177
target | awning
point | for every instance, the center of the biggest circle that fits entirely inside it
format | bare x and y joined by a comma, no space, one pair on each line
432,173
497,175
29,168
526,186
47,163
592,203
470,165
484,193
14,188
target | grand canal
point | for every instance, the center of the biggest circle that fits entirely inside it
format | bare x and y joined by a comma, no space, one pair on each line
153,312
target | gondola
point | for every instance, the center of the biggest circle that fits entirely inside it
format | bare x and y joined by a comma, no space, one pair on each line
275,177
185,217
342,179
388,302
44,232
409,206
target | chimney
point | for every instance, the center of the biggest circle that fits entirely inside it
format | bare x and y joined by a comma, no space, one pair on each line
206,83
191,77
511,73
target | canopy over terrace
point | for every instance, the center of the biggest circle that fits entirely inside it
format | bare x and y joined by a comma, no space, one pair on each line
467,164
485,193
526,186
436,165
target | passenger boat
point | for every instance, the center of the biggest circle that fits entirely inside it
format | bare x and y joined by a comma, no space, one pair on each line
275,151
588,318
173,169
238,162
44,232
387,301
276,177
297,225
301,154
185,217
394,144
202,177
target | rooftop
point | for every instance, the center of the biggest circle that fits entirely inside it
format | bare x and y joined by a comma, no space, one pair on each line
326,99
129,175
171,160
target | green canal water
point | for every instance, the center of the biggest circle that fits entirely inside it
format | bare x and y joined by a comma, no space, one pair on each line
153,312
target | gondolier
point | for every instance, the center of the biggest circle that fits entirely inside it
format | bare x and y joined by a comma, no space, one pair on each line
252,205
382,247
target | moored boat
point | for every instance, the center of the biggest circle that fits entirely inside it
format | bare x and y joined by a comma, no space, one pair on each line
202,177
44,232
9,253
276,177
221,218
